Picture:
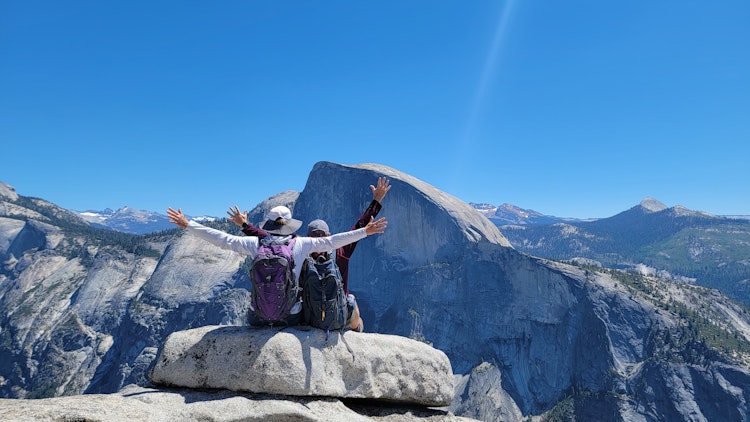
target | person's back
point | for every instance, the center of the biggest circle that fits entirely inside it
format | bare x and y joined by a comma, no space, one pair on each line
319,228
324,302
279,223
275,290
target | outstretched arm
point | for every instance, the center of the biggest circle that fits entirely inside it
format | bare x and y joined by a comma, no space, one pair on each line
378,193
239,244
335,241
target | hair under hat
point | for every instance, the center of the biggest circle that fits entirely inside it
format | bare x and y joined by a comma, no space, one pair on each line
280,221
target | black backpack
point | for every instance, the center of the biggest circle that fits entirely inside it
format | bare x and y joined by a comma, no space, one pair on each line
275,289
323,298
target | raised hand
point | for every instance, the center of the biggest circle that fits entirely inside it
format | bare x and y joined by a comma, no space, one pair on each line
236,216
176,217
378,193
376,226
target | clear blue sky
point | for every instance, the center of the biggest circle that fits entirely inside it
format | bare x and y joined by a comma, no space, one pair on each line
574,108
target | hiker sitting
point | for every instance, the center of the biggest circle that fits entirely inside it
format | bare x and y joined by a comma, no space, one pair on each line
319,228
281,227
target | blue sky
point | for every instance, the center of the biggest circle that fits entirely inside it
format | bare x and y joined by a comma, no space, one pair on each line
575,108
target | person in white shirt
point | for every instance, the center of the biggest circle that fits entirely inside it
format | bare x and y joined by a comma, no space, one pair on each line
279,223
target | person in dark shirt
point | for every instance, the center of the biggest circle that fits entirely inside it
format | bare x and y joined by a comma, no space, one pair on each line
319,228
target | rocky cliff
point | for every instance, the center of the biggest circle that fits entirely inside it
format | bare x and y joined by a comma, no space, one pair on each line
305,362
525,336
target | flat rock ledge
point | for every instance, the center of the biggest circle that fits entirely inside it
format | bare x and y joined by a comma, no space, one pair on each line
142,404
300,362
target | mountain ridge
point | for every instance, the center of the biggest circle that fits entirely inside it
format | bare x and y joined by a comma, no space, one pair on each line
130,220
527,336
686,245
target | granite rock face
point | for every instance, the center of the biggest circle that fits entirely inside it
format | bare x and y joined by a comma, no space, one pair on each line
480,395
139,404
297,362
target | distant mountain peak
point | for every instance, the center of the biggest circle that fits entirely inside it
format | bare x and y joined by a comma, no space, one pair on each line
509,214
523,213
126,219
680,211
652,204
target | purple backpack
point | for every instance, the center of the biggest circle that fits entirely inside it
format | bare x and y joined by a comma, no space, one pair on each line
275,289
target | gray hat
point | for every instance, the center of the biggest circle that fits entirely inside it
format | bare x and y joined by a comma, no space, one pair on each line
317,225
280,222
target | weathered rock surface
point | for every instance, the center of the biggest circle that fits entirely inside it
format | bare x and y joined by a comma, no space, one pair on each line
480,395
135,404
298,362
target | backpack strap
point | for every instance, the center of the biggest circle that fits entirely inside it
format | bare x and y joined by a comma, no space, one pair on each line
273,239
343,338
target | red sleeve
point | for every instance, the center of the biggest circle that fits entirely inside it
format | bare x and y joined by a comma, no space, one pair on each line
369,213
251,230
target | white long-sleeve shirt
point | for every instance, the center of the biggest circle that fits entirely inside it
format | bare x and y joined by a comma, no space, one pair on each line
303,246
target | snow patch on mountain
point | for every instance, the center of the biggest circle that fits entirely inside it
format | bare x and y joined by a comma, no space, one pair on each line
204,218
128,220
508,214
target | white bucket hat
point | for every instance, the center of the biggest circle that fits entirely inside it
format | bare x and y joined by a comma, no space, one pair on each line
280,222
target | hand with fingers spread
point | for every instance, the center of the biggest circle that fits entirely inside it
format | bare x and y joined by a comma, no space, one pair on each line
177,217
376,226
378,193
237,217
